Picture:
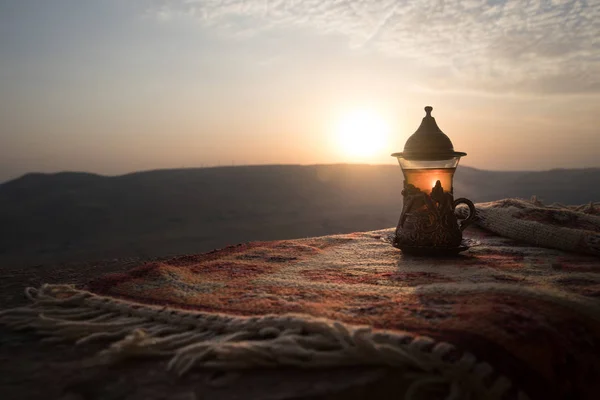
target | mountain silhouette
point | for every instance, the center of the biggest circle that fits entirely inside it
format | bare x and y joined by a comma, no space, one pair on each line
69,216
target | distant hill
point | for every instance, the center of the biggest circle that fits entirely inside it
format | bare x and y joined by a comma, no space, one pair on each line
47,218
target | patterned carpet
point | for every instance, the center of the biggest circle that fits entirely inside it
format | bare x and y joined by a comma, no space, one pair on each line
531,314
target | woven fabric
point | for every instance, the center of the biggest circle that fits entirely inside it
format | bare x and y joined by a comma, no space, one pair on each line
533,313
502,320
570,228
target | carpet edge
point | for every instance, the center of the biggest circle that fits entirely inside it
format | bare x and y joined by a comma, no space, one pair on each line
192,338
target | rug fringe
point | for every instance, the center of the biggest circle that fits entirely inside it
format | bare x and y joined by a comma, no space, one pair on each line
190,339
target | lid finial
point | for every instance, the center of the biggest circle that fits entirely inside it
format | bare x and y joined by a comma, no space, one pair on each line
428,110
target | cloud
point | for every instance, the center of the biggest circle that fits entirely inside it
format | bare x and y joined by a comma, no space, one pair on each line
539,46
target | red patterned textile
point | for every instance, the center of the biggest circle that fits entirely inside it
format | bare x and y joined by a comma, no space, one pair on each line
532,313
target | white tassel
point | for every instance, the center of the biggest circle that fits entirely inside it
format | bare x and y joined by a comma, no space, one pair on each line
195,339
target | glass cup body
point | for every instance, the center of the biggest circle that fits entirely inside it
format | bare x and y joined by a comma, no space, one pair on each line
423,174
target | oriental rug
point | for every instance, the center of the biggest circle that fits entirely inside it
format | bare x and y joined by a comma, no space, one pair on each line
503,320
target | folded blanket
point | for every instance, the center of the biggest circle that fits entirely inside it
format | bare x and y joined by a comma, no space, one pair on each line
570,228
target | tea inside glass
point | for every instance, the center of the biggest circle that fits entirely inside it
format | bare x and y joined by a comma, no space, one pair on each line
424,174
425,179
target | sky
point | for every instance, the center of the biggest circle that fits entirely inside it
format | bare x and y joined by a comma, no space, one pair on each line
112,86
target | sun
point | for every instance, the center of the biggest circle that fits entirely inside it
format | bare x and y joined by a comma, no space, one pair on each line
362,133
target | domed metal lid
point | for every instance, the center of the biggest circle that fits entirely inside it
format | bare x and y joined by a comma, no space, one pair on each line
428,143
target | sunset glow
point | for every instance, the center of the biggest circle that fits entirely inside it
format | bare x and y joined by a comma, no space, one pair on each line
362,133
113,87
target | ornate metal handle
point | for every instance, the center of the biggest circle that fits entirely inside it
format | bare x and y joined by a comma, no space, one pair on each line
467,221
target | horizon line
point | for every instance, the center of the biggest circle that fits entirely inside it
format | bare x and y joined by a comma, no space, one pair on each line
102,175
